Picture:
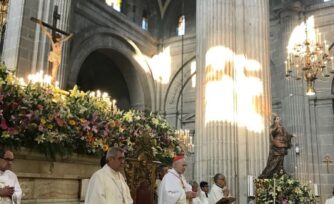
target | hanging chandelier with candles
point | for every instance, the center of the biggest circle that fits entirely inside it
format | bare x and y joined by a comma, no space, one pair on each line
3,12
308,56
186,141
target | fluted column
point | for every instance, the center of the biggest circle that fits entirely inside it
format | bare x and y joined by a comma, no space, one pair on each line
233,99
296,108
64,7
293,96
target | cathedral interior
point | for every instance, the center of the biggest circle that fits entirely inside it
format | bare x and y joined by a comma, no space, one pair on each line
218,69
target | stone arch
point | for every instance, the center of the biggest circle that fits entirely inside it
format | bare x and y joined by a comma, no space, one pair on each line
137,76
173,12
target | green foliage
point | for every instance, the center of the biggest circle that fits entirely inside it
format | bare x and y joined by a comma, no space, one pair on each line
57,122
286,190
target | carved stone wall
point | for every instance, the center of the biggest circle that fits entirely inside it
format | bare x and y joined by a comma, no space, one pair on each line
43,181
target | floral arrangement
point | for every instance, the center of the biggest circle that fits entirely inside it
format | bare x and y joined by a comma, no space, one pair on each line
58,122
282,190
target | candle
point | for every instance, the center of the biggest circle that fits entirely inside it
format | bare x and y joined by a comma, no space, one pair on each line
274,191
113,104
286,67
316,193
250,186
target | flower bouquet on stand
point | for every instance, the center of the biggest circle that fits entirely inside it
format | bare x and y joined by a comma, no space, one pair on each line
283,190
43,117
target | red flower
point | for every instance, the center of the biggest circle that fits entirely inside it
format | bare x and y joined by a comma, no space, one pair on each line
3,124
59,121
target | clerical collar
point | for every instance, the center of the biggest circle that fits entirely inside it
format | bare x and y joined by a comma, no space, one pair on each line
112,170
219,186
173,171
179,176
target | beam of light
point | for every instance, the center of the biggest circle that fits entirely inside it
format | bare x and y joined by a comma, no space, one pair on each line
298,35
232,90
115,4
193,70
161,66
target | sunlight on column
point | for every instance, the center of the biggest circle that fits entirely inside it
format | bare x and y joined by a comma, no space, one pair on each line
219,100
219,88
248,87
232,90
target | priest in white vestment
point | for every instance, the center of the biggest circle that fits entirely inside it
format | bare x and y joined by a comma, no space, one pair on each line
174,188
162,171
330,200
107,185
218,189
204,192
195,188
10,190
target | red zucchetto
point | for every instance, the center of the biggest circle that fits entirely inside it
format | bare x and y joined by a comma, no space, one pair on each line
178,157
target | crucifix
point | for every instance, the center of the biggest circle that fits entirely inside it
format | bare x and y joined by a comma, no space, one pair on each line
56,39
327,160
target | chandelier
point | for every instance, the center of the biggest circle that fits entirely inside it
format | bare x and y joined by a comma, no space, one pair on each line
185,140
308,58
3,12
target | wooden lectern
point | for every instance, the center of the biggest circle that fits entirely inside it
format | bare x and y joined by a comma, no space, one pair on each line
226,200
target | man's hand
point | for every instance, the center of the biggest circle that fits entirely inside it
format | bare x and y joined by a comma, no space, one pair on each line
6,191
226,192
191,194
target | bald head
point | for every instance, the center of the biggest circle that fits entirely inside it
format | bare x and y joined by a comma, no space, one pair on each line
180,166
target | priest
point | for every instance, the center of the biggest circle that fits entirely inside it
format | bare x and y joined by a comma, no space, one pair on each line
10,190
174,188
107,185
218,190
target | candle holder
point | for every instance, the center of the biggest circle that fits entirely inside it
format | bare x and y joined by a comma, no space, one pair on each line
308,56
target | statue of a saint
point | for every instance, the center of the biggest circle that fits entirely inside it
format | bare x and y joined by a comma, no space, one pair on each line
280,142
55,53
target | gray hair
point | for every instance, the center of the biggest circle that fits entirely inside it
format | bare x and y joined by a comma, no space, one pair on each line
112,152
193,183
218,176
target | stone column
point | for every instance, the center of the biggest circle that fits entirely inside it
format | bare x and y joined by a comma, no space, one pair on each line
64,7
41,42
292,95
233,93
13,33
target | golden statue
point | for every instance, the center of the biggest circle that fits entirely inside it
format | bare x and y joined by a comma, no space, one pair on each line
55,53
